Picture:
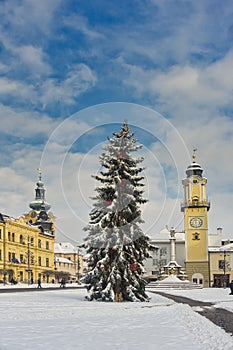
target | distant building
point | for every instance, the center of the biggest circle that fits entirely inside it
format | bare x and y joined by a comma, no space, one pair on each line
68,262
161,253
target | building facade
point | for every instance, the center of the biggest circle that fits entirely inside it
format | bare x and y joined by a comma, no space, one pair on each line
68,262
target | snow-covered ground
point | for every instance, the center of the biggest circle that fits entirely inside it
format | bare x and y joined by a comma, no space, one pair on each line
219,296
63,319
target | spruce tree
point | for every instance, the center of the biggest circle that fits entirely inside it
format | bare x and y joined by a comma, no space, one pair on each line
116,245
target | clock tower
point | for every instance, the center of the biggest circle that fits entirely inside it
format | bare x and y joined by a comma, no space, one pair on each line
195,208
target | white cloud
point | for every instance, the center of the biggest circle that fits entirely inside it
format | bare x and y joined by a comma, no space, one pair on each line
80,23
34,58
78,80
25,124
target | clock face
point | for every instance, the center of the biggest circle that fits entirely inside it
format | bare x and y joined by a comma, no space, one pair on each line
196,222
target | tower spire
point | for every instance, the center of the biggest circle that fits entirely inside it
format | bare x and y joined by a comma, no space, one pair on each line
39,173
39,203
194,156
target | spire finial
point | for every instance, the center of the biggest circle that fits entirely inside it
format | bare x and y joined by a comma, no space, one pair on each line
194,154
39,172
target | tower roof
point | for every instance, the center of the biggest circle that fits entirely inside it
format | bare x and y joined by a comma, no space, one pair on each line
39,203
194,168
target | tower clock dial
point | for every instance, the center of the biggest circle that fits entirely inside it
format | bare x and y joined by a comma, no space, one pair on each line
196,222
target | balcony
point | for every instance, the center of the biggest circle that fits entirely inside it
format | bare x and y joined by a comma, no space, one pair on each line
195,204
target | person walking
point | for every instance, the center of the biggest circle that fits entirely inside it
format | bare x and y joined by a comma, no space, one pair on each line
39,283
63,283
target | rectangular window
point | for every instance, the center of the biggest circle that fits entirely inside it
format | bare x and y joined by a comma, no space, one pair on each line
0,254
21,258
163,251
9,256
221,264
47,245
39,260
9,236
0,233
47,262
13,236
163,262
155,262
39,243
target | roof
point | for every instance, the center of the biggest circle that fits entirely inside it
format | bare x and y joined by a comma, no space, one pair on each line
164,235
65,248
63,260
226,247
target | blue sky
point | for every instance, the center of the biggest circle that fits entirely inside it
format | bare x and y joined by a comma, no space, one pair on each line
71,70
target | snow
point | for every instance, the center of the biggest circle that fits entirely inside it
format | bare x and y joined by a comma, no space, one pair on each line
64,319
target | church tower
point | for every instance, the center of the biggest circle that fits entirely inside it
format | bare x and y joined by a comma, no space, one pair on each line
39,215
195,208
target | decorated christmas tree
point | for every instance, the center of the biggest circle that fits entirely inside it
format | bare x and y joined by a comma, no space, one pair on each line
116,245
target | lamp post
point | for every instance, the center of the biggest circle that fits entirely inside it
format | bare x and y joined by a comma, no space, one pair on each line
4,254
29,266
224,268
78,263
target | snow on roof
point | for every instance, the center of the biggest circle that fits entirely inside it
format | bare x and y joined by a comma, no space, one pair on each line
65,248
164,235
226,247
58,259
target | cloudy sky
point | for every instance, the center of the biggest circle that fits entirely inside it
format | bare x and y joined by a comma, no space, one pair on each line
72,71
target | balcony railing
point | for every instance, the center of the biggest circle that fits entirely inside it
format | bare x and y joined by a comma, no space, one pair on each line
195,204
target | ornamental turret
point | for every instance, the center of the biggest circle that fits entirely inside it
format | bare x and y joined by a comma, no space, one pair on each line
39,215
194,186
39,203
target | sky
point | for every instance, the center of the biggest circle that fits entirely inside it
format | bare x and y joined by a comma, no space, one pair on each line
71,72
64,319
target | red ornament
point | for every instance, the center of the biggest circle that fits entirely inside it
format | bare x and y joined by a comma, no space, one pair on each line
123,155
123,182
133,267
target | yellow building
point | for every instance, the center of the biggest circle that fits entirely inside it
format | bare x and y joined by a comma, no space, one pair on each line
27,243
195,207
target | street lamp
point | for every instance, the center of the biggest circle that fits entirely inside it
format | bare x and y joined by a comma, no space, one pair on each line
224,268
78,262
29,257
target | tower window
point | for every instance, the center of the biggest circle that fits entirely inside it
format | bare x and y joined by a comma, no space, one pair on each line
196,236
